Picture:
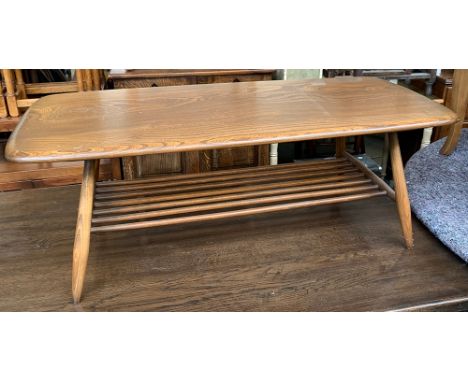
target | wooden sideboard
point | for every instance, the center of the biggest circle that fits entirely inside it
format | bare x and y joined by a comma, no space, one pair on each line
197,161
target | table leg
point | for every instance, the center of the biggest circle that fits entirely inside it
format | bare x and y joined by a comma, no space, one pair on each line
401,192
83,227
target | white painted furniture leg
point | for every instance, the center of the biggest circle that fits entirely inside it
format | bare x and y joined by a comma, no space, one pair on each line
274,154
426,140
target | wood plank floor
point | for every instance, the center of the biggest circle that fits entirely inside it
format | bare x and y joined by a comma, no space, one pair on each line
348,257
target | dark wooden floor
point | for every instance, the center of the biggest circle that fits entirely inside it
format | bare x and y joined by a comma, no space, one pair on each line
339,258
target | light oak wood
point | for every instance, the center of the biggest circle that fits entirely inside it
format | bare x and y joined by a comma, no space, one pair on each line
10,96
20,85
52,87
247,200
401,191
225,184
8,124
79,73
321,182
126,122
216,174
83,227
220,179
88,77
183,197
458,102
96,79
236,213
3,106
259,191
25,103
443,90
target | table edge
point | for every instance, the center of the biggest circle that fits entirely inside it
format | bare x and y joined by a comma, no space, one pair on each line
13,155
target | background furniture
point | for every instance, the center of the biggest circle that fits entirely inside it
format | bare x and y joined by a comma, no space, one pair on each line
443,90
18,92
458,102
190,162
410,141
408,75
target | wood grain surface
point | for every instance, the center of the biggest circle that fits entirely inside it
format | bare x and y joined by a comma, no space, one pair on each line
83,226
276,262
126,122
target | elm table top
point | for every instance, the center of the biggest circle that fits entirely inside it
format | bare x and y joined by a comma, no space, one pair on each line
126,122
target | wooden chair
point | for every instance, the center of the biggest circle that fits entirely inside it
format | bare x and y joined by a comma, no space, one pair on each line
3,106
458,102
18,93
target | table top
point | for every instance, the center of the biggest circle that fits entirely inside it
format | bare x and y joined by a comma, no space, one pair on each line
126,122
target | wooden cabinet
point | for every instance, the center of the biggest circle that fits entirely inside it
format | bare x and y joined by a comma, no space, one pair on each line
198,161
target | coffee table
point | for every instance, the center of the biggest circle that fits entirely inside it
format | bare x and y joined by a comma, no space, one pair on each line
91,126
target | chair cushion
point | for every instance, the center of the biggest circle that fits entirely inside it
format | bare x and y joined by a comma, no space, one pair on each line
438,189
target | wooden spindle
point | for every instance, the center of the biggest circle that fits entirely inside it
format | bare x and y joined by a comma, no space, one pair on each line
96,79
88,79
9,78
80,79
3,106
458,103
20,85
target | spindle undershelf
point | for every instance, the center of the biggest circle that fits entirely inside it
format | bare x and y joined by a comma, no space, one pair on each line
152,202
